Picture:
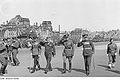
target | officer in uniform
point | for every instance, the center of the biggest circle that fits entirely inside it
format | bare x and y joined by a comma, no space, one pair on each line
88,50
68,51
49,52
35,50
111,53
15,45
3,58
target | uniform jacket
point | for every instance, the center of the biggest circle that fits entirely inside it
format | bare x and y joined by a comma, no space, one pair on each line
111,48
69,47
36,48
88,47
49,48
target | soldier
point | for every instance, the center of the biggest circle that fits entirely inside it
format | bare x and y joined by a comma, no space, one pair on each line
68,52
35,50
49,52
3,58
88,50
15,45
111,53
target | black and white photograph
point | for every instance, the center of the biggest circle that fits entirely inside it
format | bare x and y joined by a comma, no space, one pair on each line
59,38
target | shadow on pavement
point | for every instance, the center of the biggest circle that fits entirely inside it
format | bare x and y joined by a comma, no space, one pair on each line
79,70
115,71
59,69
103,66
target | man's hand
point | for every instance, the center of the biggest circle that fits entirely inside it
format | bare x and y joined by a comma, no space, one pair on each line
107,54
115,53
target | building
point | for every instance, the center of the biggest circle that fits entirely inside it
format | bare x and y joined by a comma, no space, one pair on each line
9,33
19,21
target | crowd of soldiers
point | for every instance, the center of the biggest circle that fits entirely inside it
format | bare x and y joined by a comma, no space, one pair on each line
9,50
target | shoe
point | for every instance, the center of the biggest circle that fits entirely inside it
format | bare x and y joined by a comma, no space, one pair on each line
32,71
46,72
50,69
17,64
87,73
113,65
64,71
109,66
13,64
69,71
5,72
1,74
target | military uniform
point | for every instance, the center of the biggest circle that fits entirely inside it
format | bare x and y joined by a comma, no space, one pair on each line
36,51
15,46
88,50
49,52
111,51
3,58
68,53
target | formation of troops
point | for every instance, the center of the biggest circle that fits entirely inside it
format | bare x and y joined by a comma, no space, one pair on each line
9,50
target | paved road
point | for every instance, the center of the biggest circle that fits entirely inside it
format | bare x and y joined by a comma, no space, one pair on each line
78,65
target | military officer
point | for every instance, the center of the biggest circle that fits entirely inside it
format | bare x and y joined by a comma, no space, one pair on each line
49,52
3,58
88,50
15,45
35,50
111,53
68,51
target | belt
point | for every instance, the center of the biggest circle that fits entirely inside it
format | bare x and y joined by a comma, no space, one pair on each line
88,48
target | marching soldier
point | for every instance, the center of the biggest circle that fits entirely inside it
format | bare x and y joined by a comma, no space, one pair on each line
49,52
36,51
3,58
15,45
88,50
68,52
111,53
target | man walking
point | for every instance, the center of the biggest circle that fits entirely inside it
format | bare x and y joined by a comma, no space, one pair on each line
88,50
15,45
35,50
111,53
3,58
49,52
68,52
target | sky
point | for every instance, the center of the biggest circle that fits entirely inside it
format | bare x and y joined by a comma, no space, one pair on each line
94,15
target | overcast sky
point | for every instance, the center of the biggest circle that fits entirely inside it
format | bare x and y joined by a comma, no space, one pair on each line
70,14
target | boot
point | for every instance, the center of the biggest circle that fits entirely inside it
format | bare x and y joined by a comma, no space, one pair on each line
33,70
110,66
87,73
4,71
38,68
113,65
64,68
70,65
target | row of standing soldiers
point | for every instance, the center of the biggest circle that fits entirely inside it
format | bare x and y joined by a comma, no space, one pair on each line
11,48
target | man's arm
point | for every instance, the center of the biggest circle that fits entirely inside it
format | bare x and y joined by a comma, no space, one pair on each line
116,49
107,48
92,45
54,51
73,49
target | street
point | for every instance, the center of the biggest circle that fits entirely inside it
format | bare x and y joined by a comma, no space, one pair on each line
100,60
